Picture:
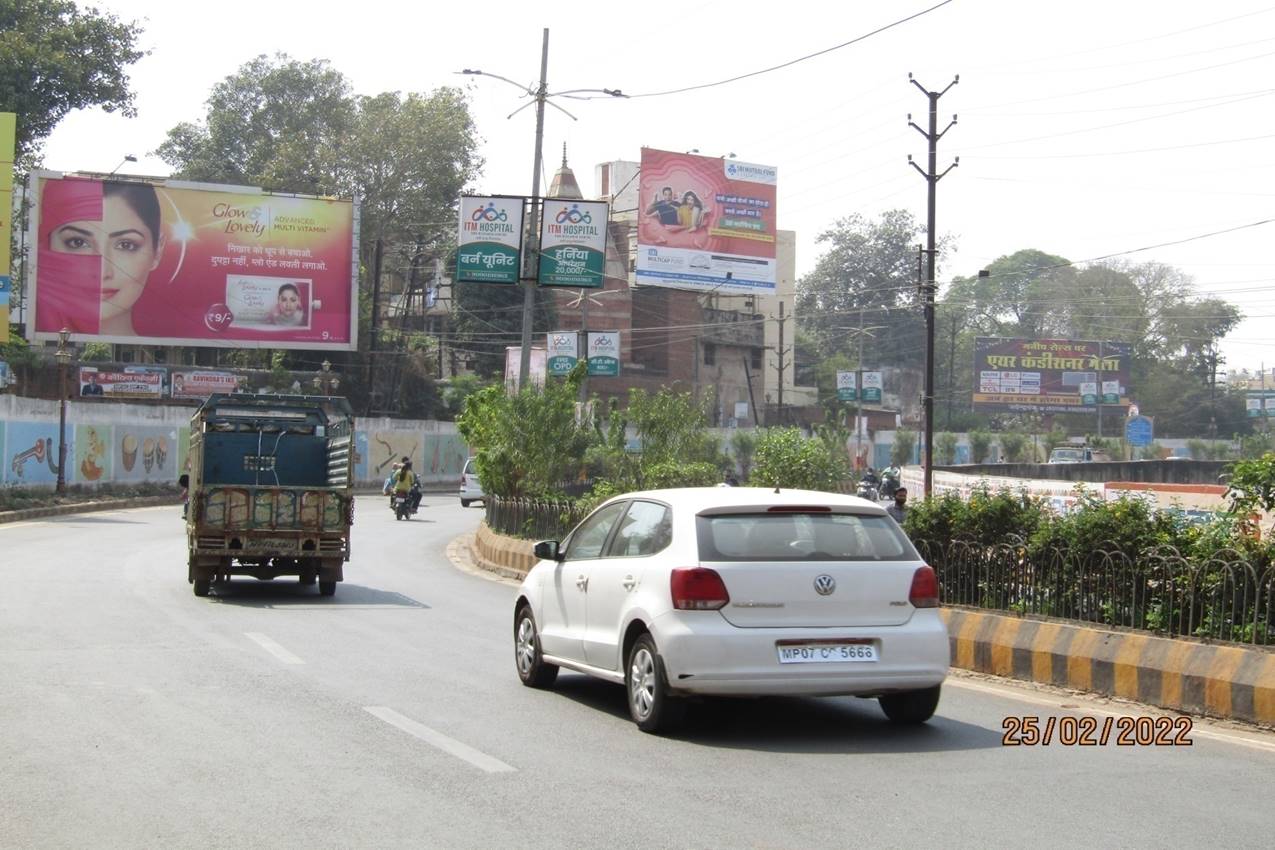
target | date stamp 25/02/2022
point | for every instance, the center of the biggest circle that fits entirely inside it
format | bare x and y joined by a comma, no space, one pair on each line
1085,731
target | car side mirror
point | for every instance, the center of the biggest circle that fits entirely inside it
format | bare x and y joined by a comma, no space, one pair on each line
547,550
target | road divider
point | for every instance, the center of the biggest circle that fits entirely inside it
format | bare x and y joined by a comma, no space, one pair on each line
1218,680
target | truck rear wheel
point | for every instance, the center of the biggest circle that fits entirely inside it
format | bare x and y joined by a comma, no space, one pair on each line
202,585
327,588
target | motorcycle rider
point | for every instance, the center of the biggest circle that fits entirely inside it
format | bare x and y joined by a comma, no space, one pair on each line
408,483
890,481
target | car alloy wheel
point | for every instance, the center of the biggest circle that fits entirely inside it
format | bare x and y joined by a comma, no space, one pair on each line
642,683
650,705
532,669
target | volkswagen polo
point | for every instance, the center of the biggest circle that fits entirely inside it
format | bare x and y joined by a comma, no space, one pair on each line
735,591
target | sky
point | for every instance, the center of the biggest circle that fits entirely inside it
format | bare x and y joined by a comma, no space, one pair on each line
1085,129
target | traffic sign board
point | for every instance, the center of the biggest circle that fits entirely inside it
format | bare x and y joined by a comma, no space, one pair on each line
1138,431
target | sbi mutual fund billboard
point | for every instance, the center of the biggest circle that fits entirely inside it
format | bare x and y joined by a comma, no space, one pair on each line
1049,375
706,224
177,263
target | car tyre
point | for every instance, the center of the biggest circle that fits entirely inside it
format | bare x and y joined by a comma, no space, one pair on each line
911,707
464,503
533,670
651,706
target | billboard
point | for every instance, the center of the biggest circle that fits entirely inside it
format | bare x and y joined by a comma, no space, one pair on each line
1050,375
563,350
490,240
872,386
847,386
202,384
573,243
513,367
706,224
177,263
131,383
604,353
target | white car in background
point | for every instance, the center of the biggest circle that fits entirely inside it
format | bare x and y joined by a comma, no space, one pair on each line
470,489
735,591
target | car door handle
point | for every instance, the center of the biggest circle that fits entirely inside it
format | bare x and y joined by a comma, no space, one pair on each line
629,582
582,582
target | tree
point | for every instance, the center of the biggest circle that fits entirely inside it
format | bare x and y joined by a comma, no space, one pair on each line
676,448
55,58
945,448
408,158
869,265
903,448
277,123
487,317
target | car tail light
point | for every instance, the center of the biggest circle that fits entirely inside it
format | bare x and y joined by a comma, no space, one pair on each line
925,588
697,589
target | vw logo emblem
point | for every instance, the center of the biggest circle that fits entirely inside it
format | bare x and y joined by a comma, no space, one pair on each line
825,585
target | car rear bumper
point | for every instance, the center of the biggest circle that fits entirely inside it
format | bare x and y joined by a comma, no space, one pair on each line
704,654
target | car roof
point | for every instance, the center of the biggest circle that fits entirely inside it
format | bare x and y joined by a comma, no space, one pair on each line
702,498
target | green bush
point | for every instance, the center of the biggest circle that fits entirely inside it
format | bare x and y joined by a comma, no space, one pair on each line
945,448
980,446
904,447
784,458
1015,447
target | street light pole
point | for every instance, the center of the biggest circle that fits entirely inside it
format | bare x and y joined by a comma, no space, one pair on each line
63,356
531,260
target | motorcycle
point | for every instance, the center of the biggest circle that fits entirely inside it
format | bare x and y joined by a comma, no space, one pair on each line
402,506
889,483
867,490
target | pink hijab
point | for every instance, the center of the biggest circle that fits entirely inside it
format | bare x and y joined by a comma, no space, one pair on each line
69,293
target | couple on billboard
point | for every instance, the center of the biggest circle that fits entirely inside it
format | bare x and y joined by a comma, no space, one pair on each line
99,242
678,220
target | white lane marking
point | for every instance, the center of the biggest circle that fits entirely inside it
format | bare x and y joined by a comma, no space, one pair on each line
273,648
478,759
1073,705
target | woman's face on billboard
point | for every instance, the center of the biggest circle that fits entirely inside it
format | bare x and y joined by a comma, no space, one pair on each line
127,248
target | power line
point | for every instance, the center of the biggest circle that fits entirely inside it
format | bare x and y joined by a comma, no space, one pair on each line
792,62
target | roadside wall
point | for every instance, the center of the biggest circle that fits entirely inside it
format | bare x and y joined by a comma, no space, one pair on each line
1147,471
116,442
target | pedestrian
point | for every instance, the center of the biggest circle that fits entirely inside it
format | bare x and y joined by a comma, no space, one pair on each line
899,508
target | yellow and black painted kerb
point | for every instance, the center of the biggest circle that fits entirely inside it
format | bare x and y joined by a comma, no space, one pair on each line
1222,681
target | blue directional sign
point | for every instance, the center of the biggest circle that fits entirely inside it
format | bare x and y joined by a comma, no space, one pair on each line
1138,431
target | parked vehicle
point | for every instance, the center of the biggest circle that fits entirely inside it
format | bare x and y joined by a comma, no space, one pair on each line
735,591
471,490
1078,454
271,481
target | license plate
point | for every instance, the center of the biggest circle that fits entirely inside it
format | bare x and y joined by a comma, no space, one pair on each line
283,543
826,653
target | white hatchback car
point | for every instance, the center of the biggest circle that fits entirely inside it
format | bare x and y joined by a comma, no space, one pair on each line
470,489
735,591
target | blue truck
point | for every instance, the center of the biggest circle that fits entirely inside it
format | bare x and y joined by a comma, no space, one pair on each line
270,489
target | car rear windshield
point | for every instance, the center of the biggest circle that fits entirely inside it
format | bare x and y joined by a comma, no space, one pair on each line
801,537
469,467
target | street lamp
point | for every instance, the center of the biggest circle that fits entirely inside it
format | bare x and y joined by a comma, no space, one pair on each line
127,158
63,356
539,95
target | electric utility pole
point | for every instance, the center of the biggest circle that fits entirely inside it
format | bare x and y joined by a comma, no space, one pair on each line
932,178
780,351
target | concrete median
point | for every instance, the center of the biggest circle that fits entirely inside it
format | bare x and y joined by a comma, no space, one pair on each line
1219,680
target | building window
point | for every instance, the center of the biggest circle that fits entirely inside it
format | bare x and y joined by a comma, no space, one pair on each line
710,354
756,364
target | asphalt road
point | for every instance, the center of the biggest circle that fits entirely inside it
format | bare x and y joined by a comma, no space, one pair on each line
134,714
